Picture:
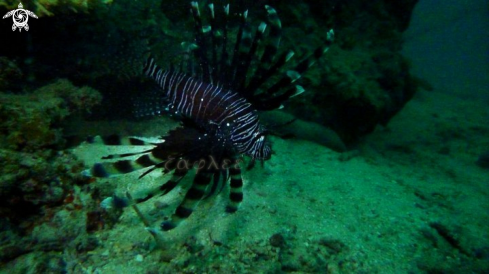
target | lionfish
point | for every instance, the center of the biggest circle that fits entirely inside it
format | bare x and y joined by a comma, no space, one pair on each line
218,106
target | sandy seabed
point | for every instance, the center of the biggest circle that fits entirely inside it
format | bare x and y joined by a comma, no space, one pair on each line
409,199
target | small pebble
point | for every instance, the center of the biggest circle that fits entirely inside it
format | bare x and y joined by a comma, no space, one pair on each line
277,240
139,258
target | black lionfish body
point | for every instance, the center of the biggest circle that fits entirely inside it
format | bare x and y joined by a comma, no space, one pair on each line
218,100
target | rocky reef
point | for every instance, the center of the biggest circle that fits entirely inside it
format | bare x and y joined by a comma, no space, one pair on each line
39,180
363,81
31,122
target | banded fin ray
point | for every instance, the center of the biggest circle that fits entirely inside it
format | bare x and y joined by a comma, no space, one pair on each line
271,99
266,66
238,74
169,185
110,169
179,143
201,51
117,140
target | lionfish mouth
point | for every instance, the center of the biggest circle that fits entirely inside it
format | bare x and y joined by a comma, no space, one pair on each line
217,96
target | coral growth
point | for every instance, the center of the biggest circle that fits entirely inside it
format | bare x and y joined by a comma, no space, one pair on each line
43,209
29,122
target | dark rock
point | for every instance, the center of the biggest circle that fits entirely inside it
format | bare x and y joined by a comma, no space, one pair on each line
444,150
277,240
304,130
482,253
332,245
483,160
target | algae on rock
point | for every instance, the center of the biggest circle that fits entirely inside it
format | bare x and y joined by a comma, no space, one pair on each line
36,173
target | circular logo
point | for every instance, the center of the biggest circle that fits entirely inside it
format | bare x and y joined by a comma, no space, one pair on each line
20,18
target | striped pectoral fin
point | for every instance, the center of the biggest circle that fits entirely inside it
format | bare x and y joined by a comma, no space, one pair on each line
236,190
116,140
164,188
194,195
121,202
174,181
108,169
115,202
105,170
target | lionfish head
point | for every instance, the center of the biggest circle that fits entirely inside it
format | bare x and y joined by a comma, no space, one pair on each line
262,149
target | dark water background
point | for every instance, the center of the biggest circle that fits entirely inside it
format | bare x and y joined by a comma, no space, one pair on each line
448,44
